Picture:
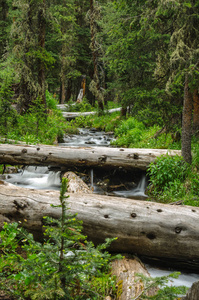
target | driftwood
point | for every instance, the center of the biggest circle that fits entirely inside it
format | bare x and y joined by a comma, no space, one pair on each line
129,286
73,115
42,155
146,228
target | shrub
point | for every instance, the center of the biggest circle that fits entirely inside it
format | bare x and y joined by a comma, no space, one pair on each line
167,176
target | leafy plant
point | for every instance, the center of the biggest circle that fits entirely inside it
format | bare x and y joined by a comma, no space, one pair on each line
166,169
51,101
83,106
167,175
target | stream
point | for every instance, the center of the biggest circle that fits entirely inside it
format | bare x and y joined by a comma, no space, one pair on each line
117,183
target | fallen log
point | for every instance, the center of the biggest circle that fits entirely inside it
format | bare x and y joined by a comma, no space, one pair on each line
73,115
43,155
146,228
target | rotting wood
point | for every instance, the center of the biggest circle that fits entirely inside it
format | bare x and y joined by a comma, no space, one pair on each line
43,155
126,271
146,228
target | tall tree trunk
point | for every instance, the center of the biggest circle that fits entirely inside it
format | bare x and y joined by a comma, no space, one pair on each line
95,56
42,33
63,72
63,90
187,122
195,111
3,21
123,111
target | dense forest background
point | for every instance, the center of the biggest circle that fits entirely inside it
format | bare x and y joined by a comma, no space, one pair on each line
141,54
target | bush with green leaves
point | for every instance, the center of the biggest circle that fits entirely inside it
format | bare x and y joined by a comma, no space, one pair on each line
129,132
65,266
167,176
51,101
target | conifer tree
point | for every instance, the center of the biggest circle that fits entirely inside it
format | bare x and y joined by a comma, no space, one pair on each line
5,22
28,48
178,59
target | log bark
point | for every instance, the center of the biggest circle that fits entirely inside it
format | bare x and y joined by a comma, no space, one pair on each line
193,292
42,155
146,228
126,271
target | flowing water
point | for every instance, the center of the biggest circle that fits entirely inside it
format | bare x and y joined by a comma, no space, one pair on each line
36,178
44,178
88,137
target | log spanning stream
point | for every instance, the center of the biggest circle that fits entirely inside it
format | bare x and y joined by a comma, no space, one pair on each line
114,183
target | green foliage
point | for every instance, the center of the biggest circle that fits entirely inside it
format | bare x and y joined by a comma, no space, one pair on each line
106,122
164,291
167,176
129,132
166,169
51,101
7,113
83,106
65,266
35,126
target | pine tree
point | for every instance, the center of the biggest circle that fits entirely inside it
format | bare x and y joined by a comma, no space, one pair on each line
28,49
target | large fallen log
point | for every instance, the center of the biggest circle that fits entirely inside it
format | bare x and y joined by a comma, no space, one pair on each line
80,156
146,228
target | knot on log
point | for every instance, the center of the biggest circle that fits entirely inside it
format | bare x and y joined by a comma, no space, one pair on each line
44,158
19,204
151,236
24,150
102,158
134,155
178,230
133,215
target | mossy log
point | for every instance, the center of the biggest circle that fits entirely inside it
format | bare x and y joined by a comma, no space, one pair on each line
43,155
146,228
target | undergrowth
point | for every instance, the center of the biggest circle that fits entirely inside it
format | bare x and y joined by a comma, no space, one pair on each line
172,179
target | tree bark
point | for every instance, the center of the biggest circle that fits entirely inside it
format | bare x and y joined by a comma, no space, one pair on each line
95,57
99,157
196,112
126,271
41,39
187,123
145,228
193,292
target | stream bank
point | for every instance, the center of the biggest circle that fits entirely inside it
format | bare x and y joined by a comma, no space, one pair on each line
114,182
